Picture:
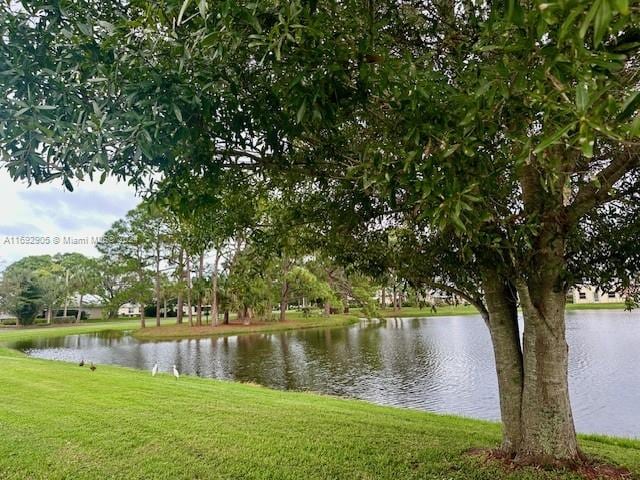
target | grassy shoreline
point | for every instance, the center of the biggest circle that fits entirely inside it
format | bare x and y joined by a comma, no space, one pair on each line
60,421
122,423
172,332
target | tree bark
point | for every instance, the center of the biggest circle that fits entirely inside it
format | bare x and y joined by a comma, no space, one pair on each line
284,301
226,317
395,298
502,319
189,289
383,297
66,293
180,300
548,431
547,420
79,314
199,304
157,285
142,321
49,315
214,289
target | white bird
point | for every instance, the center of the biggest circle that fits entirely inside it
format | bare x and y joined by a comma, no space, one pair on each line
176,373
154,370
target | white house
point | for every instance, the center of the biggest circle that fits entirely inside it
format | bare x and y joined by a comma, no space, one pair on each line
129,310
589,294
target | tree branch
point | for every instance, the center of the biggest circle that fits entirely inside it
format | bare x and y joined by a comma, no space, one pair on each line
596,192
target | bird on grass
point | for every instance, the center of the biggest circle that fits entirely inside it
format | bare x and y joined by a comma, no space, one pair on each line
176,373
81,363
154,370
92,367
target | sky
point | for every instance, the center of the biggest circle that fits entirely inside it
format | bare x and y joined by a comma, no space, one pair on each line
47,219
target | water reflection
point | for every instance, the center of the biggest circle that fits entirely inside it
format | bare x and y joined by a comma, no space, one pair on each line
438,364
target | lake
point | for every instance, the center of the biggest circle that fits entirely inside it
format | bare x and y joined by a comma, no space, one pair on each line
438,364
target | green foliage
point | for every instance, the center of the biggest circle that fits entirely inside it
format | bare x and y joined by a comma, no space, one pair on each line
21,294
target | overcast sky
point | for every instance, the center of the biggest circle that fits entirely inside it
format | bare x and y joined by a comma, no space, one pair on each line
50,212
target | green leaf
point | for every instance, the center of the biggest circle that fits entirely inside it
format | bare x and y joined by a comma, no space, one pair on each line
622,6
183,9
301,111
601,23
178,113
86,29
589,18
630,105
67,184
515,14
586,144
451,150
551,139
202,7
582,96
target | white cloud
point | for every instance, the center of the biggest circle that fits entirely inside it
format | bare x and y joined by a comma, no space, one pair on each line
48,211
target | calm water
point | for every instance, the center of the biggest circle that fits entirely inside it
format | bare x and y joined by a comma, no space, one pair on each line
442,364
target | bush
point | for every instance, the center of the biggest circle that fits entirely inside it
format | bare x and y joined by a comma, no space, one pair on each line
8,321
40,321
72,312
66,319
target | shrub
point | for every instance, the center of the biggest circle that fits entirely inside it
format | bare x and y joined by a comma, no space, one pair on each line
66,319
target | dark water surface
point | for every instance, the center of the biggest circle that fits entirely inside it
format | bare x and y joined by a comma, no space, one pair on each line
439,364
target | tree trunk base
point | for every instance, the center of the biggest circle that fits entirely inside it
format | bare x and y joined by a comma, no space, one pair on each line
582,465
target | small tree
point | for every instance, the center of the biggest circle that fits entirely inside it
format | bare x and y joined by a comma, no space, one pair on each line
20,295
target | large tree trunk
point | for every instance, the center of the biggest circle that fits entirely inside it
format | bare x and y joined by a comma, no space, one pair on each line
49,315
383,297
547,421
548,432
502,320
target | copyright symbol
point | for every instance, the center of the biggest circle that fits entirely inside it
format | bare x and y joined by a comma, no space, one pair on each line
56,240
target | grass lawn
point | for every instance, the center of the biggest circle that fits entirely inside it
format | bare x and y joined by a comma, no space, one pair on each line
10,334
60,421
468,310
596,306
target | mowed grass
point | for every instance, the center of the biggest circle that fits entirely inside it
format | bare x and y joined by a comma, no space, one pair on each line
10,334
61,421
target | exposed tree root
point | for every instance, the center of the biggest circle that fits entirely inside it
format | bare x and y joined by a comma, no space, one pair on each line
588,468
